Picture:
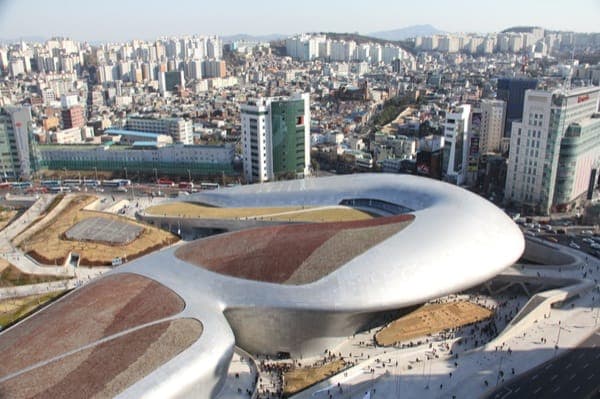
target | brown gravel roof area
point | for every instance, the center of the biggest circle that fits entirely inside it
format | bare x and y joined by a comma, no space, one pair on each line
105,370
112,304
290,254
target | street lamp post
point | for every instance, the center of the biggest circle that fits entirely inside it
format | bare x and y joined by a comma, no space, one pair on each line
96,172
125,168
557,338
155,175
189,176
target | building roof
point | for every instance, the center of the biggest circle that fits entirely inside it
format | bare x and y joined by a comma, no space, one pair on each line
292,298
123,132
145,144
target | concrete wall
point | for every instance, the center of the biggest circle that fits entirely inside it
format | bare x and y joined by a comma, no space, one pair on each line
546,254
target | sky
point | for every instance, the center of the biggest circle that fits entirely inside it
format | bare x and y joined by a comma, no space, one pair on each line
120,20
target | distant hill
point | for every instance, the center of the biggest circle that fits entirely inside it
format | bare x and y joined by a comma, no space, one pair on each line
251,38
366,39
405,33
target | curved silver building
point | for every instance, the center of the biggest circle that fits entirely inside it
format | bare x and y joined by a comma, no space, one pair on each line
296,288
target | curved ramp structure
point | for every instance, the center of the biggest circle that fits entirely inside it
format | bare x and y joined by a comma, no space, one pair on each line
301,288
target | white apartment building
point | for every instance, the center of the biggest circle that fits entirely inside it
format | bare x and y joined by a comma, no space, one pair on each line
67,136
456,129
181,130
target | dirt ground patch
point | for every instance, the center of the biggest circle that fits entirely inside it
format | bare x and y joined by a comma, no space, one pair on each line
11,310
50,246
6,216
299,379
291,213
11,276
431,319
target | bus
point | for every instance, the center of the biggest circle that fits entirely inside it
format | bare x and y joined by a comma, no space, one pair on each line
50,183
209,186
59,189
71,182
162,182
116,183
36,190
186,185
91,183
21,185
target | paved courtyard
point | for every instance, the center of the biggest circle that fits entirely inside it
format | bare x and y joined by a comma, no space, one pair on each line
100,229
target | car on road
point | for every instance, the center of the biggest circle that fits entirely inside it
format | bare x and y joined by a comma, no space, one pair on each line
574,245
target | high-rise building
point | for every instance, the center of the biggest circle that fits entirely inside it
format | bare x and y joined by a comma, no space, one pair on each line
456,130
72,116
554,150
276,138
213,69
492,125
168,81
512,91
15,148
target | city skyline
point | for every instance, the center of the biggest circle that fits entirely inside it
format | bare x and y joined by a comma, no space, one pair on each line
122,21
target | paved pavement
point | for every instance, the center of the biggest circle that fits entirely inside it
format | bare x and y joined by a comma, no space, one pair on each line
14,255
575,374
440,373
241,377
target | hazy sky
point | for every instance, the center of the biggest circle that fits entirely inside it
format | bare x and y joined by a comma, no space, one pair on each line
112,20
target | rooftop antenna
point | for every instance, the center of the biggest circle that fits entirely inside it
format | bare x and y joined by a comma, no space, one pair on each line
570,76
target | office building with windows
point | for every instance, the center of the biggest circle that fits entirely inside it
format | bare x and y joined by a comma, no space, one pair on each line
512,91
554,150
180,129
15,144
276,138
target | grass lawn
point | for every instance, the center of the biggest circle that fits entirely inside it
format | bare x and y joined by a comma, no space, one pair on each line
431,319
299,379
11,276
12,310
291,213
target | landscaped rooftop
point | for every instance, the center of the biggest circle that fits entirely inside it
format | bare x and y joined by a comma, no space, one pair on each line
76,348
291,254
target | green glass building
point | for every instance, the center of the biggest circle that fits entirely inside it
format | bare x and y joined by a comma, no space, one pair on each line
276,138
